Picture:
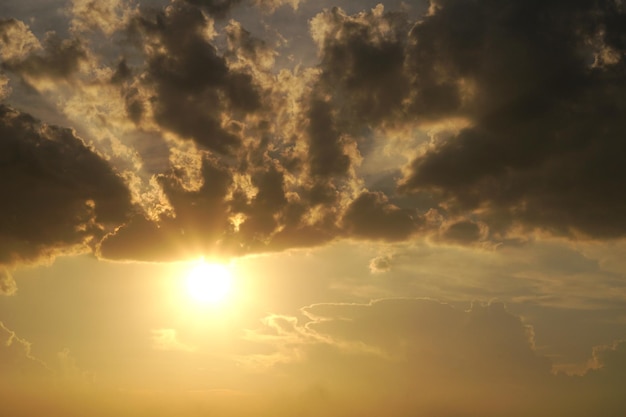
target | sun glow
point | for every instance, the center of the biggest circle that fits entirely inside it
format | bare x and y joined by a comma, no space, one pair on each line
209,283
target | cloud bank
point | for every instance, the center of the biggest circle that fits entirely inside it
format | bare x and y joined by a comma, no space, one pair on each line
189,140
423,356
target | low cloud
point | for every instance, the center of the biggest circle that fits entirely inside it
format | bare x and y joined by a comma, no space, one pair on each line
59,196
16,358
424,355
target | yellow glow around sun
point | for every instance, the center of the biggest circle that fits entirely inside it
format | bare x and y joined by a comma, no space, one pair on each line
209,283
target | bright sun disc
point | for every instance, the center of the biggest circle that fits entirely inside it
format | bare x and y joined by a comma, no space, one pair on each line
209,283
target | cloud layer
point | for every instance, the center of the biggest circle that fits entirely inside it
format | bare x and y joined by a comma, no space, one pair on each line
422,356
507,115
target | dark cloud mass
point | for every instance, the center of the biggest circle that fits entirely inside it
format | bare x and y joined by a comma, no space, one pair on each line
372,216
57,193
540,83
192,83
217,8
522,102
546,131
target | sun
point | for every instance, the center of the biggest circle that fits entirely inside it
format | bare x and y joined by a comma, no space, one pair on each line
209,283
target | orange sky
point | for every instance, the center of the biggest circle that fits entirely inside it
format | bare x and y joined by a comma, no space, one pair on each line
286,208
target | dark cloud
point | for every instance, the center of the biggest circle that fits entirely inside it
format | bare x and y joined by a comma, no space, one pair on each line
192,83
545,135
221,218
462,232
59,59
122,72
198,227
57,193
525,100
362,59
326,153
216,8
372,216
243,46
540,85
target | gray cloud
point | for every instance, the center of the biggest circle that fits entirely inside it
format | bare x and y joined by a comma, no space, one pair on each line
198,227
362,58
542,147
192,83
217,8
58,60
372,216
543,134
58,194
462,232
524,100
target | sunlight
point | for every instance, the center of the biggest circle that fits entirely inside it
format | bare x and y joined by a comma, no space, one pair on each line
209,283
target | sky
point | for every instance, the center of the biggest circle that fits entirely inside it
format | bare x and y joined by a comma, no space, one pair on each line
312,208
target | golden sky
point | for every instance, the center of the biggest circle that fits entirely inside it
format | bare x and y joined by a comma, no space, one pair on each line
312,208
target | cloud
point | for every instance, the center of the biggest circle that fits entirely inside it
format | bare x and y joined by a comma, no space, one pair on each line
372,216
17,40
7,283
216,8
361,58
16,358
492,132
58,195
380,264
538,151
272,5
88,15
167,340
435,335
541,149
57,60
190,82
423,355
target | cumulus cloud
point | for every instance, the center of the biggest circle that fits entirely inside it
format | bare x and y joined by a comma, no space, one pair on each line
58,59
89,15
538,150
59,195
217,8
372,216
502,132
17,40
272,5
189,80
542,145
